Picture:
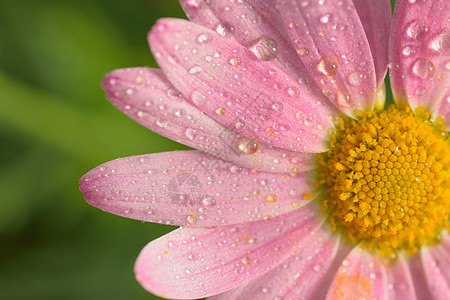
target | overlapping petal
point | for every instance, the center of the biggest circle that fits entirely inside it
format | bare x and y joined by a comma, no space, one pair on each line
417,273
194,263
235,88
332,44
191,188
147,97
375,17
361,276
302,276
420,52
399,281
436,266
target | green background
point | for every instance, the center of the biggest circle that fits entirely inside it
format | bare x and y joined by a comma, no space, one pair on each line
55,125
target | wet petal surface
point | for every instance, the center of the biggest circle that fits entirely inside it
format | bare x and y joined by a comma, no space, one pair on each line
194,263
146,96
193,189
332,44
231,85
312,261
420,53
436,266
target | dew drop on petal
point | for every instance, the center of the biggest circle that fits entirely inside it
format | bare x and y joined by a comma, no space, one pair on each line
327,66
440,42
208,201
423,68
190,133
191,219
271,198
265,49
235,61
343,99
325,18
248,145
303,51
220,111
407,50
204,38
416,29
195,70
293,91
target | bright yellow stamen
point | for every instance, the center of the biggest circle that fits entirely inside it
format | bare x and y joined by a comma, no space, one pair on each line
388,180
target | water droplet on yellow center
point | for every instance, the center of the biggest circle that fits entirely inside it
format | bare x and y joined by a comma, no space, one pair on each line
387,180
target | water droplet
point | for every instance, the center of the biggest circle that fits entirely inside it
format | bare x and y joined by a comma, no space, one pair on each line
220,111
344,99
325,18
265,49
224,30
247,261
208,201
293,91
271,198
235,61
204,38
195,70
193,3
423,68
407,50
317,268
198,98
248,145
303,51
417,29
327,66
441,41
191,219
191,133
141,114
354,78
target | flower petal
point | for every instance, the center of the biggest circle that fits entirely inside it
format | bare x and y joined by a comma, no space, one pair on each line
231,85
436,266
375,17
419,52
361,275
313,261
193,262
191,188
400,285
418,276
332,45
444,109
147,97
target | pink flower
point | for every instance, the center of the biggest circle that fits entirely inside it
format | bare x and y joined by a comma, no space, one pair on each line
258,87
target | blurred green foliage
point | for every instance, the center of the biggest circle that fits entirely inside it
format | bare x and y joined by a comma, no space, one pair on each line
55,125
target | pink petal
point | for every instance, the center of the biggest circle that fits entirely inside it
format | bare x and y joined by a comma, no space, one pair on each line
335,50
436,266
312,261
191,188
361,275
248,22
400,285
375,17
444,109
420,52
147,97
418,276
228,83
194,262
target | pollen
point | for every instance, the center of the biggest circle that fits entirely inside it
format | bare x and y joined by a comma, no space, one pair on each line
386,180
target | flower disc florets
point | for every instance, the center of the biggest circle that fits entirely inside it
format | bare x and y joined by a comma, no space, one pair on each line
387,180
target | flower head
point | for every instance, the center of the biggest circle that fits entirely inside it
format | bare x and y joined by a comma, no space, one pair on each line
305,185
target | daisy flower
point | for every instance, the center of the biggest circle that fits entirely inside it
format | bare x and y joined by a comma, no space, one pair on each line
305,184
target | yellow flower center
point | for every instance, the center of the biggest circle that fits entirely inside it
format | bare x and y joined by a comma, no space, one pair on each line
387,180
